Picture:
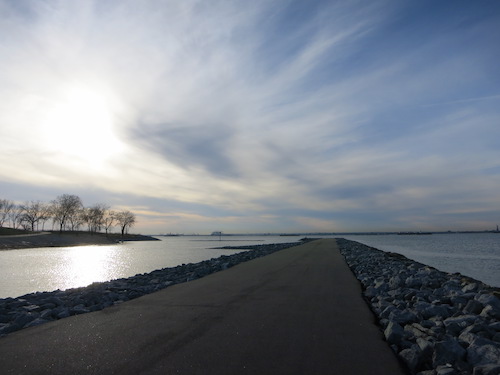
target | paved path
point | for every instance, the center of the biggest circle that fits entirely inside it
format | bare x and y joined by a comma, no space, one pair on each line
297,311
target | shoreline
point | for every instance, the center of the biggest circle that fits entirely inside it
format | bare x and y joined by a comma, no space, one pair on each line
436,322
37,308
66,239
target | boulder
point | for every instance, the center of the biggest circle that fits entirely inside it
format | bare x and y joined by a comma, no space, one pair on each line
457,324
473,307
393,333
490,311
483,352
402,317
490,369
446,370
441,311
411,357
446,352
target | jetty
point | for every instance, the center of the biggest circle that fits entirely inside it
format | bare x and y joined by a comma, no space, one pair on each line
296,311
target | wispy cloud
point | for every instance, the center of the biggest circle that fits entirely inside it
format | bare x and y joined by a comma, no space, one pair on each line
255,114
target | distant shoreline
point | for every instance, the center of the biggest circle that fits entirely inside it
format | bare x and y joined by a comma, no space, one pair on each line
66,239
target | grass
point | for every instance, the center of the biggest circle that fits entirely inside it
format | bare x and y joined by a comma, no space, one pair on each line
11,231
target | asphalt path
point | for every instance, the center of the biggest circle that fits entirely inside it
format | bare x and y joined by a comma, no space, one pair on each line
296,311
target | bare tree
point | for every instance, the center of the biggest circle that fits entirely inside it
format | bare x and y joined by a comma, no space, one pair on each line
66,211
16,216
94,217
33,212
45,215
125,219
108,220
6,208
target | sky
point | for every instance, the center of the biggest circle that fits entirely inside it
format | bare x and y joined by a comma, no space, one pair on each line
256,116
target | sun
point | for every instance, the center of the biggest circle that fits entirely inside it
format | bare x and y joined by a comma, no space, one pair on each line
80,126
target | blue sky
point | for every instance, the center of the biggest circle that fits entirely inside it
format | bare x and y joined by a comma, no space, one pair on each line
261,116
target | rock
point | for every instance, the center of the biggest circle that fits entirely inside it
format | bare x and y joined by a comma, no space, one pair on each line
496,337
411,357
490,369
36,322
483,352
393,333
32,308
413,282
446,370
417,331
23,319
457,324
473,307
449,351
467,338
491,311
489,299
64,313
426,349
470,287
436,310
46,314
450,322
402,317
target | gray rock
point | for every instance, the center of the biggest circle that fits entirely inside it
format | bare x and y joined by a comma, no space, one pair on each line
411,357
23,319
491,311
483,352
496,337
393,333
402,317
436,310
457,324
36,322
473,307
426,349
417,331
445,370
489,299
470,287
491,369
467,338
446,352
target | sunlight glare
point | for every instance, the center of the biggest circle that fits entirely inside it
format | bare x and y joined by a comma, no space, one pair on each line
80,126
88,264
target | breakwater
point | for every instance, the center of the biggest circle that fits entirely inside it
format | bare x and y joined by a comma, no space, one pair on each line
437,323
38,308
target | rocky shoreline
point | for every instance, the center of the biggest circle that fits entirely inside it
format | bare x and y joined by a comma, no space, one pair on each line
437,323
38,308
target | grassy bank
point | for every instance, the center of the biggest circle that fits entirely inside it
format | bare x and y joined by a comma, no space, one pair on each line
15,239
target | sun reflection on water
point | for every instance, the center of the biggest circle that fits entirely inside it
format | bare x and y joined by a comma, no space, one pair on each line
84,265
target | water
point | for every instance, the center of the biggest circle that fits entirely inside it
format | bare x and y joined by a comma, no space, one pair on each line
46,269
476,255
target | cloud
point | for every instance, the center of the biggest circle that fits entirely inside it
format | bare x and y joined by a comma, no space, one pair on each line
258,114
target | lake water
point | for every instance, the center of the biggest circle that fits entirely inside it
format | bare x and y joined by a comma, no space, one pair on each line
476,255
46,269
